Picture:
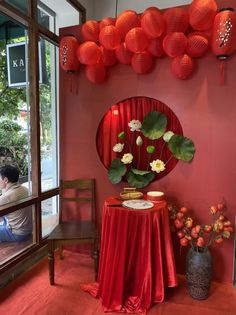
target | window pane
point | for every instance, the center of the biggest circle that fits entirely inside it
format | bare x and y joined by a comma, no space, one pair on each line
50,217
22,5
48,117
14,108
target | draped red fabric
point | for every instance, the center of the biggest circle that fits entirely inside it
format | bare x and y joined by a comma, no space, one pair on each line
116,120
136,258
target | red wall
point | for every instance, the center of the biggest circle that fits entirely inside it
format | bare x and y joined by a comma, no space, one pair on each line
207,112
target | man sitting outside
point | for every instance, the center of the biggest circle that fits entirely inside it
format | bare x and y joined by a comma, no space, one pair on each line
15,226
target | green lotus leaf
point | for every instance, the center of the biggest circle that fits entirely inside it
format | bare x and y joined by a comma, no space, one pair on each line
154,125
139,180
182,148
116,171
139,172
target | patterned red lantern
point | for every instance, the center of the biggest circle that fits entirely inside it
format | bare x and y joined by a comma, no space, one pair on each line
152,22
88,53
174,44
136,40
108,57
96,73
109,37
123,54
155,47
202,14
106,22
126,21
142,62
176,19
197,45
90,31
68,47
182,66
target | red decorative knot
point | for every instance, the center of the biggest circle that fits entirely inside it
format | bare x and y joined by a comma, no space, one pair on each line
126,21
176,19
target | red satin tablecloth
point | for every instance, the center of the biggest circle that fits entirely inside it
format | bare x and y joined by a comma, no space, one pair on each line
136,258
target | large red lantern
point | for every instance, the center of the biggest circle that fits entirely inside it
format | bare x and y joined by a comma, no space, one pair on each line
90,30
106,22
142,62
109,37
155,47
108,57
88,53
136,40
202,14
126,21
174,44
96,73
68,47
182,66
176,19
123,54
197,45
152,22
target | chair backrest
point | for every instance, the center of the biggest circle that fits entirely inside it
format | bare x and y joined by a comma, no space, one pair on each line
74,191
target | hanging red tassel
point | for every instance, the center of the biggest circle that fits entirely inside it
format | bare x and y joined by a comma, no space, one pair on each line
222,71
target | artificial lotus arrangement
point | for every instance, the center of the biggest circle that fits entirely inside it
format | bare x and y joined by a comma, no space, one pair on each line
146,140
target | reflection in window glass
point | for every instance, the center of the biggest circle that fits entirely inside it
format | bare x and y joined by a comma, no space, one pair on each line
48,117
50,217
46,16
22,5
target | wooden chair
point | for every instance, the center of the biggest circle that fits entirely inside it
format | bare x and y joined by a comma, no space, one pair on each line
76,231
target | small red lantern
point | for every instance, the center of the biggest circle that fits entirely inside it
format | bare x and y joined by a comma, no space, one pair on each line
123,54
108,57
182,66
197,45
126,21
202,14
177,20
152,22
88,53
142,62
106,22
90,30
109,37
96,73
155,47
68,47
174,44
136,40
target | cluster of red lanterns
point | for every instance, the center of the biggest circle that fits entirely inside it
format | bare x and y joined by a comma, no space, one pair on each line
138,39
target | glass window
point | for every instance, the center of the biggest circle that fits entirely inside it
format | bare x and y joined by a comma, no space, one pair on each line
22,5
50,216
48,117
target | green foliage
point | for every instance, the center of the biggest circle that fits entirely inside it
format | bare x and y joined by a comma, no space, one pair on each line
139,179
154,125
116,171
182,148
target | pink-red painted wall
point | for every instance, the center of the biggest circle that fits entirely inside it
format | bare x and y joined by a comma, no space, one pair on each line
207,112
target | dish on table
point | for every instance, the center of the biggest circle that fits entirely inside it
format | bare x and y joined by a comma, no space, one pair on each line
138,204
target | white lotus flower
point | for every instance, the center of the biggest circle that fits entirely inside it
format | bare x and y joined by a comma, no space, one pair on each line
157,166
167,135
135,125
139,141
127,158
118,147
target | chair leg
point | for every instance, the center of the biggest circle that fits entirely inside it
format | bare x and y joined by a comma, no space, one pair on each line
51,261
96,259
61,251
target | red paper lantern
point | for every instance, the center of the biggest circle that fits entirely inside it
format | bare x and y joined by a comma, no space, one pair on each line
95,73
155,47
152,22
106,22
109,37
88,53
224,33
108,57
90,31
123,54
197,45
142,62
176,19
202,14
182,66
174,44
68,47
136,40
126,21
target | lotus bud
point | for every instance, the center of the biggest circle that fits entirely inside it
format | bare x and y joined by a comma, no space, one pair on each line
167,136
121,135
139,141
150,149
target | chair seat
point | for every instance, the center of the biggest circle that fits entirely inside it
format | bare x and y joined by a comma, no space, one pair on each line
74,230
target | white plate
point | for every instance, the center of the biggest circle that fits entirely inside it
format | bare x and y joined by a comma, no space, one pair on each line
139,204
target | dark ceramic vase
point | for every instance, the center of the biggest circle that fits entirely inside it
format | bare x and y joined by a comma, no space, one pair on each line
198,273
